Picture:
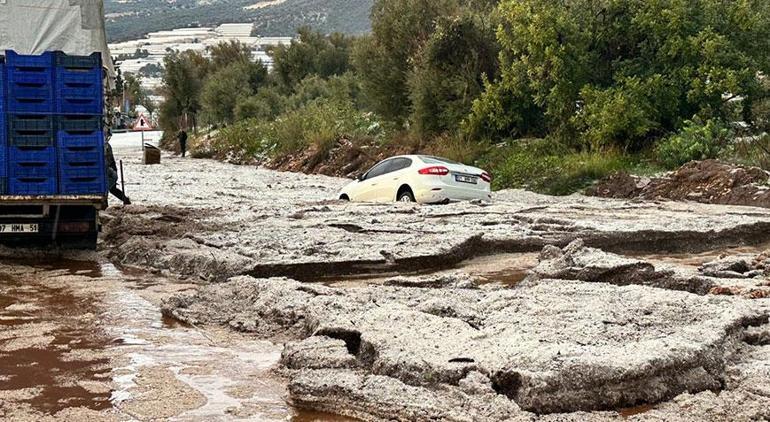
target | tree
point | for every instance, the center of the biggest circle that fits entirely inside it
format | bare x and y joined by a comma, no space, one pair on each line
621,72
312,54
135,93
227,53
449,72
399,29
226,87
182,83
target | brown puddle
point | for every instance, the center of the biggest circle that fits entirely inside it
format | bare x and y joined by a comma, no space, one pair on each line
41,335
312,416
698,259
507,269
636,410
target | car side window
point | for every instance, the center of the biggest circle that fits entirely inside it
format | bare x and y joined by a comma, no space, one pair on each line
400,164
378,170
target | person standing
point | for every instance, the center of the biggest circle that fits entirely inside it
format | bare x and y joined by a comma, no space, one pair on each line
182,137
112,171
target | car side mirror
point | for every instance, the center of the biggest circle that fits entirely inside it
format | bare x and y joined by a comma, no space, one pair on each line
361,177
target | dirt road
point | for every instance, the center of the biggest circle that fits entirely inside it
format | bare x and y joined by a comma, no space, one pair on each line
530,308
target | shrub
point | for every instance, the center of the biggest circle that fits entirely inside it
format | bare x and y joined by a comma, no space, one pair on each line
548,167
696,141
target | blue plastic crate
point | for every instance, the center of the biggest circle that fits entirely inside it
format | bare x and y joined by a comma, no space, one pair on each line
3,88
80,124
64,60
82,180
33,130
93,139
32,162
30,83
32,186
25,62
81,157
32,169
79,93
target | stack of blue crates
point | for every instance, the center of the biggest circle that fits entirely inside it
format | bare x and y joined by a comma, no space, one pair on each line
51,109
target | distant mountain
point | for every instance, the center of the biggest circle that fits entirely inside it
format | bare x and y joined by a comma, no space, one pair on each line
131,19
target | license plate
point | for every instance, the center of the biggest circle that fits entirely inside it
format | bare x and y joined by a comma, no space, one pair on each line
19,228
466,179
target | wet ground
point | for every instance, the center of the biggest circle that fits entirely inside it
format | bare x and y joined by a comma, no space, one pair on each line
82,340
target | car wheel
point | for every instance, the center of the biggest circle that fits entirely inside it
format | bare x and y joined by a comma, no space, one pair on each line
344,198
406,196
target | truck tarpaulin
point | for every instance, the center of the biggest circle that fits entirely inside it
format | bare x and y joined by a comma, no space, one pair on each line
73,26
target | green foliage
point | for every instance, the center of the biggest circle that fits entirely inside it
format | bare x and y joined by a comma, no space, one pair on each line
696,141
182,82
267,104
313,54
450,72
547,167
621,72
399,29
132,87
226,87
228,53
319,124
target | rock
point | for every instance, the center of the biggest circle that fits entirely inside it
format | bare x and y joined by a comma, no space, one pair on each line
448,280
730,267
317,352
579,262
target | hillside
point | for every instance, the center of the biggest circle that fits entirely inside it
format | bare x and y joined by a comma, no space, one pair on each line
127,19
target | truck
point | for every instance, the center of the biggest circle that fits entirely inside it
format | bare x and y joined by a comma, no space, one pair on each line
54,72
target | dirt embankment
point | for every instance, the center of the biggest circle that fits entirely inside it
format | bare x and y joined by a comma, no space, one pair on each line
709,182
344,159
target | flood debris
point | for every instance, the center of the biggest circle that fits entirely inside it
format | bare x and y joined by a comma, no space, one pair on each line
725,276
556,346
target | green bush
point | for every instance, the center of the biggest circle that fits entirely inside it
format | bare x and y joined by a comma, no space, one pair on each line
319,124
548,167
696,141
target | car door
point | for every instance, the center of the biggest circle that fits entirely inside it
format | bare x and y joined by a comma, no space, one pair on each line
395,176
368,189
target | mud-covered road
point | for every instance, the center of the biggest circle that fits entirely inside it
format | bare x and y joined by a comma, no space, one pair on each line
231,292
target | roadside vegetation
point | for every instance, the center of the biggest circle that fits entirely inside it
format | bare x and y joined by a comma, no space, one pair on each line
547,95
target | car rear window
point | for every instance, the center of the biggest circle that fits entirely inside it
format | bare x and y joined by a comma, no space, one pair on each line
436,160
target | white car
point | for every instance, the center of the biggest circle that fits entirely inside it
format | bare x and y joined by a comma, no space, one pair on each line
419,178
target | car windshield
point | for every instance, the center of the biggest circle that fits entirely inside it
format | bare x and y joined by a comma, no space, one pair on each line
427,159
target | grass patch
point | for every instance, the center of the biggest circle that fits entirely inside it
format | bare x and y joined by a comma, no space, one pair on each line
546,167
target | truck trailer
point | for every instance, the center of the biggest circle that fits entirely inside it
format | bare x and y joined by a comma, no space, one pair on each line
55,68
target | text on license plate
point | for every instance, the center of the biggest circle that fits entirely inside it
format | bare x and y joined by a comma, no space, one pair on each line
466,179
19,228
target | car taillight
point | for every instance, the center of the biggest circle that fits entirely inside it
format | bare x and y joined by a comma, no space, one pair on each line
486,177
435,171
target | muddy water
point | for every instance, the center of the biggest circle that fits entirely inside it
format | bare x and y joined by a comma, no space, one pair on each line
82,337
507,269
697,259
42,328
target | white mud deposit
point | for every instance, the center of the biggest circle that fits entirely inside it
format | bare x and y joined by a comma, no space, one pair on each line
588,335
